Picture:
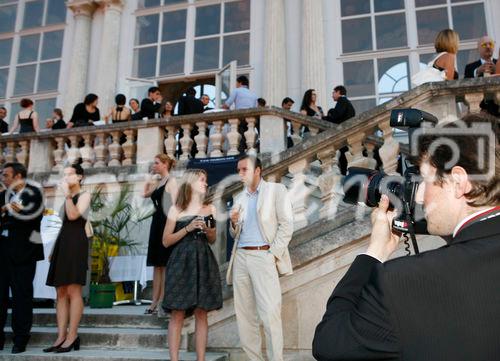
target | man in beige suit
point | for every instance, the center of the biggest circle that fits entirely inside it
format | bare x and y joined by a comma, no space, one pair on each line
262,226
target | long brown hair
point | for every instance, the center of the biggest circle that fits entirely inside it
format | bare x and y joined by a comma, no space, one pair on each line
185,193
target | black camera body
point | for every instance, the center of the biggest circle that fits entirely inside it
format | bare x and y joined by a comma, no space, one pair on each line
209,221
366,186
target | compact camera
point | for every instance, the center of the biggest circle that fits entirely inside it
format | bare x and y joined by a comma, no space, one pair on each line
365,186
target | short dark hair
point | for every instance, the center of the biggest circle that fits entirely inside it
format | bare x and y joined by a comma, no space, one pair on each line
134,99
120,99
90,98
3,108
18,168
243,80
484,192
59,112
78,169
287,100
153,89
257,163
25,102
261,102
341,89
191,91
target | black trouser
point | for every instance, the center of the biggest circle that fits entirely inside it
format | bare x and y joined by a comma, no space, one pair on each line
19,278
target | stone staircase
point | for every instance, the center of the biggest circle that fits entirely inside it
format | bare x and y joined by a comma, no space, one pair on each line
122,333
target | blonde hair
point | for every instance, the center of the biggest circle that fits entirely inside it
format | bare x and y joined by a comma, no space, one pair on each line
165,159
186,189
447,41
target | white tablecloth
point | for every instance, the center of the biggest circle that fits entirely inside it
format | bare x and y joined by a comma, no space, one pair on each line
130,268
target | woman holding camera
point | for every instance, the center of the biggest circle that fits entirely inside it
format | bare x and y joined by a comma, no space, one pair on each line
192,279
69,261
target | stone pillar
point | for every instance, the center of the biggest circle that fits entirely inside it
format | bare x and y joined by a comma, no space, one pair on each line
313,50
105,86
77,82
274,82
272,135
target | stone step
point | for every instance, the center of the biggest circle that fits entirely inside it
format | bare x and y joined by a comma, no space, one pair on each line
36,354
107,338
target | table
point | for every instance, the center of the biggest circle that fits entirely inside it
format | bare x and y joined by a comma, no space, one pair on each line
130,268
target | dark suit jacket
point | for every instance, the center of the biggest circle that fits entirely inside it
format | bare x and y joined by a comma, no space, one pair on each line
469,68
148,108
17,245
343,110
189,104
440,305
4,127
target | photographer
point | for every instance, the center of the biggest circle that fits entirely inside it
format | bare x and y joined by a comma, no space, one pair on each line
439,305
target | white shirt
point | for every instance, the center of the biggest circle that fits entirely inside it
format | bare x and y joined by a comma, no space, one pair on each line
251,234
482,62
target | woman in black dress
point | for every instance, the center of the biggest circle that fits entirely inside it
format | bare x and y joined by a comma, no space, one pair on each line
192,279
162,189
86,113
69,261
26,119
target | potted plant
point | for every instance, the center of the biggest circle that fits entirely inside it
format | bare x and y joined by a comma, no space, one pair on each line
112,223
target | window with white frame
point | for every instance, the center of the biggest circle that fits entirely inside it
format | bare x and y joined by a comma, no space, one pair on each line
31,37
377,56
180,37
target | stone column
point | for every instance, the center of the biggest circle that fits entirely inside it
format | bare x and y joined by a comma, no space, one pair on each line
77,81
274,83
313,50
105,86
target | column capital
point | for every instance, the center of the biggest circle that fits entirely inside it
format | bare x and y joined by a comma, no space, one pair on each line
116,5
82,7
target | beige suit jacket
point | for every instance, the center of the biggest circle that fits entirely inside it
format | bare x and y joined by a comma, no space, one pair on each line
275,217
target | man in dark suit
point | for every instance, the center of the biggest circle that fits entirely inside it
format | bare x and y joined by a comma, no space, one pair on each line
152,104
485,66
205,100
189,104
442,304
21,212
343,110
4,126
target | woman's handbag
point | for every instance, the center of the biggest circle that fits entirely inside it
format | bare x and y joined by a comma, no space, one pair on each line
429,74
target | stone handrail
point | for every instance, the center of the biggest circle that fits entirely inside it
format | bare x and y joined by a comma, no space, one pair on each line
136,142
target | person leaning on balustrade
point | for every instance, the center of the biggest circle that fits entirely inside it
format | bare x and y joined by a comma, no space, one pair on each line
86,113
168,110
151,105
161,187
27,118
192,281
58,119
4,126
69,261
446,45
136,109
119,113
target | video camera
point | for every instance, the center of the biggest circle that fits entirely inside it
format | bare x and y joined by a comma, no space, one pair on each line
365,186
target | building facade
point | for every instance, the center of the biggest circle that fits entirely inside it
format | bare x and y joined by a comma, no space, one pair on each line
56,51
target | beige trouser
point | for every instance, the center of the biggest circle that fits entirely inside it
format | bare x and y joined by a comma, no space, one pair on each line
257,294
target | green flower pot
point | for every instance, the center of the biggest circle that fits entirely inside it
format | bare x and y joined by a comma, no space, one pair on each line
102,295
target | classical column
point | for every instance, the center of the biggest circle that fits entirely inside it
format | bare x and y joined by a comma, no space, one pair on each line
105,86
313,50
77,81
275,84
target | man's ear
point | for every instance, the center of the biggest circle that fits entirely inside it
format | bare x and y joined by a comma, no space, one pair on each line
461,182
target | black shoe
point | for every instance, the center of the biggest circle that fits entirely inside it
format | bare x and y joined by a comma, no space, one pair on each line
18,348
75,345
53,348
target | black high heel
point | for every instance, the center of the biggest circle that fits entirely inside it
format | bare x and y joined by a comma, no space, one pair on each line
75,345
53,348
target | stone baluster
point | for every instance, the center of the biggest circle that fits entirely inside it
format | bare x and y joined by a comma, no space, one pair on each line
129,147
473,100
497,98
314,131
201,140
276,176
115,150
186,142
73,151
216,139
329,182
355,157
370,152
58,154
233,137
101,151
87,151
22,155
2,149
170,141
296,138
11,152
299,192
250,136
389,151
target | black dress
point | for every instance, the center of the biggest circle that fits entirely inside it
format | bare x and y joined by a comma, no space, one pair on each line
69,261
157,253
81,116
26,124
192,278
